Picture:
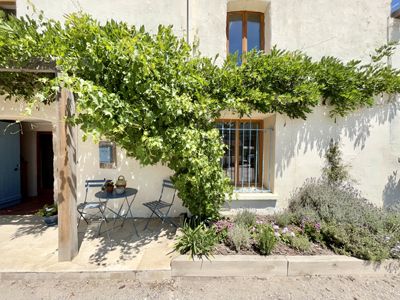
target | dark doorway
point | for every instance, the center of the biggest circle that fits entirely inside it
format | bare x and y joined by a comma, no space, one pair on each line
45,178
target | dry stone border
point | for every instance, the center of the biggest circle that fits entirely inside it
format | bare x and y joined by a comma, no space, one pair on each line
259,266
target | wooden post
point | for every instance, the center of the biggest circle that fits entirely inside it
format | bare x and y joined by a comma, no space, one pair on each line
66,175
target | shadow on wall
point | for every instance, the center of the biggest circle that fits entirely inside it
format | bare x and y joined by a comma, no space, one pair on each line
391,192
395,32
313,135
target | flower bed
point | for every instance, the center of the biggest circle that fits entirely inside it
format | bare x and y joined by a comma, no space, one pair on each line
284,236
225,247
325,216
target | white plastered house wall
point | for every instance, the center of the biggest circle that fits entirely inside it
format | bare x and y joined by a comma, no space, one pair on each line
370,138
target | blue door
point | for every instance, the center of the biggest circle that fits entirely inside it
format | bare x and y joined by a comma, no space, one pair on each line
10,180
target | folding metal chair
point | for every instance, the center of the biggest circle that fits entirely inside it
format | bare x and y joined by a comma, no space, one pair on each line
157,206
91,209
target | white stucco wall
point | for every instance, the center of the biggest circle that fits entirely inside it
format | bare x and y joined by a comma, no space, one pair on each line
370,143
150,13
342,28
147,180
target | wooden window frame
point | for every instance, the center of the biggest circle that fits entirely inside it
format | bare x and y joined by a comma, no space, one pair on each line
237,146
244,14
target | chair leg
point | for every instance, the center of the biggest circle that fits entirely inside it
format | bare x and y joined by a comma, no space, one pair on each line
148,220
134,226
82,217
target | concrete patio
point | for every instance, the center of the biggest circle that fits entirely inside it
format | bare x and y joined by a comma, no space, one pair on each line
28,245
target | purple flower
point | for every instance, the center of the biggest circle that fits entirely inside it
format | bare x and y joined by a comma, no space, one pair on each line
317,226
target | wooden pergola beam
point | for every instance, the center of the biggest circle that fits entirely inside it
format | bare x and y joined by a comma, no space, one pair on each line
66,174
23,70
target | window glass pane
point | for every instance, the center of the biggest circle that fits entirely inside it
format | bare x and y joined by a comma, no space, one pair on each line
107,155
248,155
235,34
227,130
253,32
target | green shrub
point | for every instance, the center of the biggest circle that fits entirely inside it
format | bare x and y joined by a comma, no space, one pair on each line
266,239
239,236
199,241
353,226
47,210
335,171
312,230
357,241
300,243
245,218
284,218
340,204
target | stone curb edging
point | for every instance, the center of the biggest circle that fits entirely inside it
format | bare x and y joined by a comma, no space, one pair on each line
229,266
267,266
142,275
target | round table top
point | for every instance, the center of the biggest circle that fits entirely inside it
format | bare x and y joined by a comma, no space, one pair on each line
104,195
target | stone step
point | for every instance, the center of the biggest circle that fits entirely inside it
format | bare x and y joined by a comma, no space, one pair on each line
260,203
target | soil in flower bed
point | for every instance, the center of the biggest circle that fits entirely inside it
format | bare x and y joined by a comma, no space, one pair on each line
281,248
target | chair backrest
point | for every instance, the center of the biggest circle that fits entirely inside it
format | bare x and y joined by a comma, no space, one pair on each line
167,185
93,183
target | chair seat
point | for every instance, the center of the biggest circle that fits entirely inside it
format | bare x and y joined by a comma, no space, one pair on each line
153,205
89,205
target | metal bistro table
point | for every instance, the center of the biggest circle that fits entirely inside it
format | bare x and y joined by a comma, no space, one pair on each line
128,195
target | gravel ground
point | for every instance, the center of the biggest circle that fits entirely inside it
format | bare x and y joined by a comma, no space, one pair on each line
342,288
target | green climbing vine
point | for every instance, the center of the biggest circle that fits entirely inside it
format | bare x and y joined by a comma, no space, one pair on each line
158,101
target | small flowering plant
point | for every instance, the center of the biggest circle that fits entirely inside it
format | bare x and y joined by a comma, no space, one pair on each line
311,229
283,234
222,227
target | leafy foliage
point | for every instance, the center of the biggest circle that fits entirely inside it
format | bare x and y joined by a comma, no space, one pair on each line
266,239
47,211
199,241
246,218
335,172
349,223
156,100
283,218
239,236
300,242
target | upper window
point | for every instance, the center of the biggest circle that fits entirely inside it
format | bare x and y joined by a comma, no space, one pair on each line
7,8
245,32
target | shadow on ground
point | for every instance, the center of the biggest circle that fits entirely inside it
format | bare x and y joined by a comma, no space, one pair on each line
117,244
25,225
